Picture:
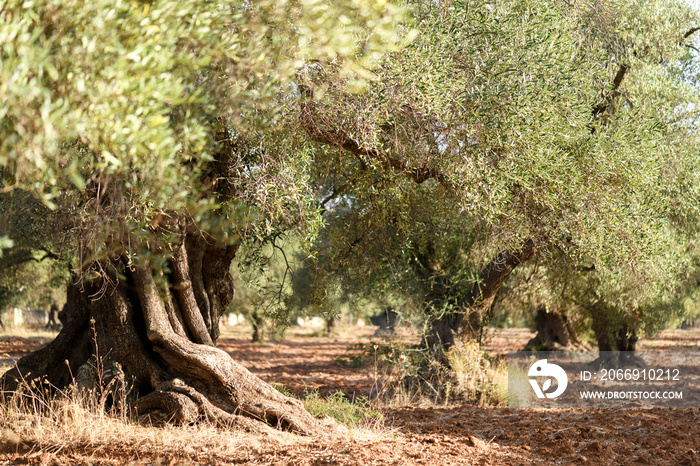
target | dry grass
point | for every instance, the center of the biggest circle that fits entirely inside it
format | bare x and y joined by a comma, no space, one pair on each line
477,377
74,423
409,376
75,426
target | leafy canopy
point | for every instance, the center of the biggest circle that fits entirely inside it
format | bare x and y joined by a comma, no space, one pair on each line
570,123
131,100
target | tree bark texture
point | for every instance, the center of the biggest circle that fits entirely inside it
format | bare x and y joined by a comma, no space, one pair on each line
152,335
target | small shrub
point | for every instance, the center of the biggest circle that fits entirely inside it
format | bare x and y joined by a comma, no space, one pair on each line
478,377
355,413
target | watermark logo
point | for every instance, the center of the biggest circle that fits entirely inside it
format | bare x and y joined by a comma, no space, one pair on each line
542,368
581,379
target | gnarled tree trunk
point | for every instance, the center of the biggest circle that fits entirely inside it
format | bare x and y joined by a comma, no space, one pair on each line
152,334
617,342
467,322
554,333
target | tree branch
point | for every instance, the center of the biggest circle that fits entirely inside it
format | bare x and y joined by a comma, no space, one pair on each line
339,138
607,107
20,256
691,32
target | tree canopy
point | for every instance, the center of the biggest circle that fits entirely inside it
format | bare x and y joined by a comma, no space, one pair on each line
571,124
131,99
513,119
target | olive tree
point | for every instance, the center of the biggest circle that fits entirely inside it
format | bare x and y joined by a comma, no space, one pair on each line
152,130
513,129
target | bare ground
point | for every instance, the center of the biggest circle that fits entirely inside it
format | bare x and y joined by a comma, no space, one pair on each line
454,434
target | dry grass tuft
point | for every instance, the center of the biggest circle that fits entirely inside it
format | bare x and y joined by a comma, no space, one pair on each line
79,427
411,376
477,377
75,424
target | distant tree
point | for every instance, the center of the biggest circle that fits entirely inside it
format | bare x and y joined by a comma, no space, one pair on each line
33,273
264,276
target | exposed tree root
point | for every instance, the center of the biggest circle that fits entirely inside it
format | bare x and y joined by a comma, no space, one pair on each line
156,347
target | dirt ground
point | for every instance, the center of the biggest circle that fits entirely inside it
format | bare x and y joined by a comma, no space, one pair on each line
454,434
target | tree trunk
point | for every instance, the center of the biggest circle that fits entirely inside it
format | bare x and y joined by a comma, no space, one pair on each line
385,320
617,343
53,324
330,324
553,332
155,345
467,322
256,321
624,339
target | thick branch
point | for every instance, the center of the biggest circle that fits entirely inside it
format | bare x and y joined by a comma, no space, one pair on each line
189,309
468,320
20,256
495,273
691,32
158,325
218,283
340,139
621,72
174,314
607,107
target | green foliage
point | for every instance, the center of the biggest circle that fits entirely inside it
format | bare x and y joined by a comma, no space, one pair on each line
32,272
33,285
591,299
496,103
264,275
114,112
354,413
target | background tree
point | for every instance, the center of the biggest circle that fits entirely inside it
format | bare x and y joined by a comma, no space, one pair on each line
520,128
32,273
266,272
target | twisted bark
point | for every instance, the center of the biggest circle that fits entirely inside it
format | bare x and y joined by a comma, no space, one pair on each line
155,344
